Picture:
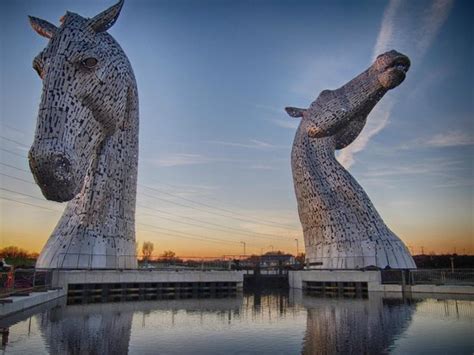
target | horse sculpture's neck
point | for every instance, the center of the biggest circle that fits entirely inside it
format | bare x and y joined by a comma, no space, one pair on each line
97,229
109,192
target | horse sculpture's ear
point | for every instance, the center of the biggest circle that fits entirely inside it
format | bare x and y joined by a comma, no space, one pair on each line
42,27
295,112
103,21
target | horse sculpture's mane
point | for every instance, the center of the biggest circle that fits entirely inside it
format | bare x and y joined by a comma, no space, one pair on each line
342,229
86,142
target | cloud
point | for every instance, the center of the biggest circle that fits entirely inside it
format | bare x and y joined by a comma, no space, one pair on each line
437,167
455,138
410,27
269,108
450,139
289,123
181,190
262,167
253,144
437,173
180,159
373,126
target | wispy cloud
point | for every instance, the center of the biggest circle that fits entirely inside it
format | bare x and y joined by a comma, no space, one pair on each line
273,109
262,167
183,159
180,159
455,138
378,121
289,123
436,167
286,122
436,173
409,27
450,139
252,144
181,190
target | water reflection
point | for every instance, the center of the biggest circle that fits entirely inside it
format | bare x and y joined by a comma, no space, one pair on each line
278,322
355,326
105,328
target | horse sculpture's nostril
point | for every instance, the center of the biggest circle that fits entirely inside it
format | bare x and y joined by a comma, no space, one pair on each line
62,169
54,173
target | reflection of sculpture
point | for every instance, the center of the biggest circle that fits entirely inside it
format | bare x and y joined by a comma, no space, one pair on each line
89,329
106,328
342,229
354,326
86,143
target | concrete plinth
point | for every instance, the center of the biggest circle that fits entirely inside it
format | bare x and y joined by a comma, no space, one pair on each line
63,278
373,279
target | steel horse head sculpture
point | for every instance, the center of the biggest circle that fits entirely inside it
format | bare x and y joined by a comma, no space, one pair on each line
85,149
342,229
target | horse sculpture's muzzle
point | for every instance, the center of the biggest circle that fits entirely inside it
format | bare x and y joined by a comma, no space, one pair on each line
53,172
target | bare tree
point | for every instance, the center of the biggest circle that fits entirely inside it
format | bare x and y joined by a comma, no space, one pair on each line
147,250
168,256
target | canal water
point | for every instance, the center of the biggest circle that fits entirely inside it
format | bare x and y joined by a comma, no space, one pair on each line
281,322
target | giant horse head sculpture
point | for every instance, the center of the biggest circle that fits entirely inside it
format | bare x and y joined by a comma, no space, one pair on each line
341,227
335,112
86,141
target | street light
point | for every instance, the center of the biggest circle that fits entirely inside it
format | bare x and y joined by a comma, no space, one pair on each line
244,247
297,249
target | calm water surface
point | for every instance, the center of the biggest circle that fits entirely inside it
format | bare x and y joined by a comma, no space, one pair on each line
273,323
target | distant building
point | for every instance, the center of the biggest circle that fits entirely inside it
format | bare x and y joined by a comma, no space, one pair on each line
277,259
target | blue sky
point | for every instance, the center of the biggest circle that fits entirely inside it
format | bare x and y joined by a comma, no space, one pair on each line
213,79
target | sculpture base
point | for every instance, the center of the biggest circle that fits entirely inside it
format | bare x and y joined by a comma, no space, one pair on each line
391,253
87,249
89,261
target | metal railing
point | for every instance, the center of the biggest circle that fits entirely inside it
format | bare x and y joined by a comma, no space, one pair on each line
87,261
442,277
340,263
429,277
78,261
24,281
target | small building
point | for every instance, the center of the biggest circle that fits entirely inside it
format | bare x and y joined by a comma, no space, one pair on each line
277,259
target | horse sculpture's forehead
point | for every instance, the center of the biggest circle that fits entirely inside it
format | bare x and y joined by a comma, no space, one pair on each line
73,20
69,41
73,35
328,99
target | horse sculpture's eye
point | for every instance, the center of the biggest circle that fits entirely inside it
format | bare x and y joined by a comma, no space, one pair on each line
90,63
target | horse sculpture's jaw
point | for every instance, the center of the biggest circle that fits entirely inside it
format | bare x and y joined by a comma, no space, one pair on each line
341,227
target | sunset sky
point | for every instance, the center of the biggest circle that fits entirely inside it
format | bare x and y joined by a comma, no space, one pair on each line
213,79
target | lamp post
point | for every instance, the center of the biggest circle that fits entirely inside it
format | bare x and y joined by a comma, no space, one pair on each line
297,249
244,247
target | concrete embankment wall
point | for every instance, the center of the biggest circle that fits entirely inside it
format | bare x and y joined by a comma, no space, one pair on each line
14,304
373,279
131,279
62,278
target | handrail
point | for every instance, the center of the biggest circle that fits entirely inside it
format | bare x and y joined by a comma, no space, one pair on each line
24,281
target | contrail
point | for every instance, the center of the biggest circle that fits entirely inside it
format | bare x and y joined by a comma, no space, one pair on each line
409,27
